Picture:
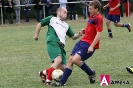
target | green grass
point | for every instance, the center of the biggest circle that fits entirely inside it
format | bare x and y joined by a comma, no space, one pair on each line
21,57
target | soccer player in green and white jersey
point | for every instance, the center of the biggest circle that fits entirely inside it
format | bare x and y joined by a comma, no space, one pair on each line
55,37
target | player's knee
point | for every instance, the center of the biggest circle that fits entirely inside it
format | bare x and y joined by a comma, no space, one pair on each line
58,60
70,63
75,60
116,24
70,60
107,22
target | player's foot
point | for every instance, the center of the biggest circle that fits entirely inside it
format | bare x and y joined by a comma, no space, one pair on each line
47,83
43,76
56,84
129,27
110,36
92,77
129,69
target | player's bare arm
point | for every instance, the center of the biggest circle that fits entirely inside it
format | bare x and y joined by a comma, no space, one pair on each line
107,5
78,35
96,39
38,28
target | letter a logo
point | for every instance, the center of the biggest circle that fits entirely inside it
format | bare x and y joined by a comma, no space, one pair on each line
104,80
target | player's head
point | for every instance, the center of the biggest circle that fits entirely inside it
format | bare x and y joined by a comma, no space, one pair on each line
62,13
94,7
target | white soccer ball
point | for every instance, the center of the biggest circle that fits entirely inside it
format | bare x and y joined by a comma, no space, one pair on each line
57,74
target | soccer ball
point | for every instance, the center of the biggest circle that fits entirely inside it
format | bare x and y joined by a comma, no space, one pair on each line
57,74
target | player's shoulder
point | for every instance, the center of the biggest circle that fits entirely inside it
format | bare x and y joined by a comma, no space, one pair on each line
49,17
99,16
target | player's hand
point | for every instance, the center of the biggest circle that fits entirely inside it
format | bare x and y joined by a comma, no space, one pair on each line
90,49
36,38
112,9
82,32
104,7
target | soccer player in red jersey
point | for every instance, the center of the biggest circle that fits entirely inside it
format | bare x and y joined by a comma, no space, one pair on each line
85,48
114,15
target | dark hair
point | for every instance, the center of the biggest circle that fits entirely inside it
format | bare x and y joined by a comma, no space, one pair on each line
96,4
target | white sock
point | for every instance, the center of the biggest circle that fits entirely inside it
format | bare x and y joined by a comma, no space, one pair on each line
44,72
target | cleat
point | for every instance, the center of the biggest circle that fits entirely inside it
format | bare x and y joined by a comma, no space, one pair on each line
92,77
57,84
129,27
43,76
130,70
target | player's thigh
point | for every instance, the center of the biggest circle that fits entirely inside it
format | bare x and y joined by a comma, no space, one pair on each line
116,18
83,51
109,17
76,59
53,50
75,48
63,55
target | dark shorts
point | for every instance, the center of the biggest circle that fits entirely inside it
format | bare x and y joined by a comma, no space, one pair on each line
114,18
81,48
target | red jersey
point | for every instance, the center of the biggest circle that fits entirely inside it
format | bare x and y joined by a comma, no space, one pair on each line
112,4
94,25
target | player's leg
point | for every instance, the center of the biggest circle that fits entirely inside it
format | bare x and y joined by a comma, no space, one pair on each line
80,56
57,61
68,70
109,19
116,20
79,59
62,66
66,74
54,52
46,75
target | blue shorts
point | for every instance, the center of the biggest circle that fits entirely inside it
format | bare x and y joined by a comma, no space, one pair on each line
81,48
114,18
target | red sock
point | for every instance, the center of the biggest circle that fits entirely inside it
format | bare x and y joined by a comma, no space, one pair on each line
49,72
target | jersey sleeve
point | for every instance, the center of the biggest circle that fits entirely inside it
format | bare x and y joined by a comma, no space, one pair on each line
99,24
46,21
70,33
118,1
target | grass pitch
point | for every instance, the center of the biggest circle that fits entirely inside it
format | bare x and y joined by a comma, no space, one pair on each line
21,57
